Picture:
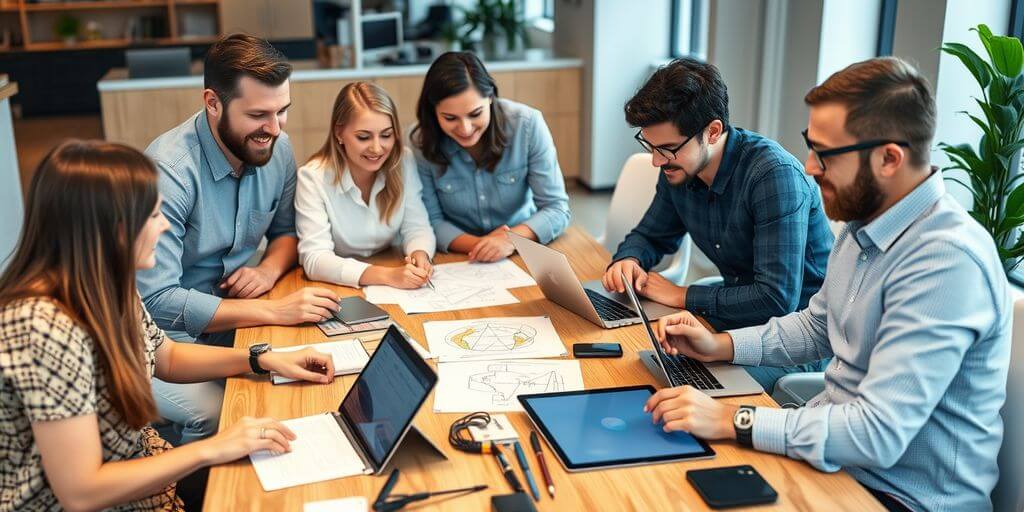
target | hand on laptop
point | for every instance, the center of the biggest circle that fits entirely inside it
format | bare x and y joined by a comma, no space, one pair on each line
630,267
687,409
682,333
663,291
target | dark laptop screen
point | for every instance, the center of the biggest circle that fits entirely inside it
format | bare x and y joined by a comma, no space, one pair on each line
386,396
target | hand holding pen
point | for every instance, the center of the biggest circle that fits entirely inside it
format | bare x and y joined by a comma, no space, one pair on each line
421,260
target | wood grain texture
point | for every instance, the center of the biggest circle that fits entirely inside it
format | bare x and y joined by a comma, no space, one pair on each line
649,488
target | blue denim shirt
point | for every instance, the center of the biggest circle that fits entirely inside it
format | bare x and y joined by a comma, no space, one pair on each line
916,310
526,186
217,222
761,222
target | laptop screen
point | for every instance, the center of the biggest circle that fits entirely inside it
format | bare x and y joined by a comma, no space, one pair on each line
386,396
650,334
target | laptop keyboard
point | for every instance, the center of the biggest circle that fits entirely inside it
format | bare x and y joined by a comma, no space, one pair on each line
684,370
607,308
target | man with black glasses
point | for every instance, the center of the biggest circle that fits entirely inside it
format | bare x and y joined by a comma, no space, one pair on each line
751,209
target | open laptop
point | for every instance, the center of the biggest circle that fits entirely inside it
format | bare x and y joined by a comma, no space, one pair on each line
590,300
714,379
363,435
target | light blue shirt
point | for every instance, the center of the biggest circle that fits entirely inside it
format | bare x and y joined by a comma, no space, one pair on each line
217,222
526,186
916,311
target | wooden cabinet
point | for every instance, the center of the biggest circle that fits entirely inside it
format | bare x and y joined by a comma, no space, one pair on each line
275,20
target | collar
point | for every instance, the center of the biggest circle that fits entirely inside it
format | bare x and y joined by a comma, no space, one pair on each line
348,186
218,163
887,228
727,166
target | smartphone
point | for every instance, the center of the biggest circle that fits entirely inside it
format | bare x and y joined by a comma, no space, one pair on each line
581,350
733,486
356,310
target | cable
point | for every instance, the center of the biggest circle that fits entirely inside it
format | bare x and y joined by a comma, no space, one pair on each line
459,441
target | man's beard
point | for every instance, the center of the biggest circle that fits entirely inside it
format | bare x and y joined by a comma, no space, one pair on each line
705,159
236,144
860,200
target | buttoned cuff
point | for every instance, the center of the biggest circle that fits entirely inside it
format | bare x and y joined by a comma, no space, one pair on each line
769,433
703,300
351,271
199,311
446,232
746,346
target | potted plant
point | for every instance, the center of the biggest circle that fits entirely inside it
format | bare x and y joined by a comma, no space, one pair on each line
501,26
993,170
66,28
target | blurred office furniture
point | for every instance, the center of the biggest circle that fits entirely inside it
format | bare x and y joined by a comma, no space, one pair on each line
11,210
158,62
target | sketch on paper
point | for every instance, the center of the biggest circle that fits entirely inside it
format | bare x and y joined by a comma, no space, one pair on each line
505,380
457,286
494,385
491,336
519,337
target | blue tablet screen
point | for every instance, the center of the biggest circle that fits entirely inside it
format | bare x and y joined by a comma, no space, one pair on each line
603,428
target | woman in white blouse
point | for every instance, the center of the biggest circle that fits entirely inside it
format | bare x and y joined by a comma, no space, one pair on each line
360,194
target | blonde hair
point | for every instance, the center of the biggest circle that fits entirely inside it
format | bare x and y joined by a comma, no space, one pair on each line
352,99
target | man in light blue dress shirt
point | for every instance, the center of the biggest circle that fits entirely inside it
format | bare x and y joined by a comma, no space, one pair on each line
227,179
915,311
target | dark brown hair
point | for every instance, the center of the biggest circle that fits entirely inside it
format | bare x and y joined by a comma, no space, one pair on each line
686,92
885,98
239,55
352,99
451,74
86,205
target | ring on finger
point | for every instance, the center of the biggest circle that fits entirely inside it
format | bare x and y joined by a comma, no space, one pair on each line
263,432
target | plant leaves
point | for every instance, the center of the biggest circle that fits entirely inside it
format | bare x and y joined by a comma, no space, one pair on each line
1015,203
979,68
1007,55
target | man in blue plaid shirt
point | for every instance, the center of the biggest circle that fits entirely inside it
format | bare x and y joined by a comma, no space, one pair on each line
744,200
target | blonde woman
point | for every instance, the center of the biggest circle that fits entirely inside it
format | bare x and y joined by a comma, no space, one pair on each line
361,194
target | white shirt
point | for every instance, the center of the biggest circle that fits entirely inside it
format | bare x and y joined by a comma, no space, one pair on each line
335,226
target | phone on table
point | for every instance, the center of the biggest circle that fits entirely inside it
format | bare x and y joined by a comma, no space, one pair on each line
356,310
581,350
732,486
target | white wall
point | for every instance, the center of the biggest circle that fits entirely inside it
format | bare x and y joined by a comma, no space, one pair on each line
849,33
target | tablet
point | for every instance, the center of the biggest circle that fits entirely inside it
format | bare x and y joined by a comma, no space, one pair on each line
607,428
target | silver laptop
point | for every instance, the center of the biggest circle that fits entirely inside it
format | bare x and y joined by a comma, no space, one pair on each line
590,300
714,379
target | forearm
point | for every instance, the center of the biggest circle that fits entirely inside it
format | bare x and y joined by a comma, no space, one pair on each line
186,363
524,231
463,243
374,274
281,256
240,313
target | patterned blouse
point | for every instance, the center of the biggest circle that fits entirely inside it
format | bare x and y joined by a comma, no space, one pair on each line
49,370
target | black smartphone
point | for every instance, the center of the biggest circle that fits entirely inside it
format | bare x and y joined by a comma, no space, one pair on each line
356,310
733,486
581,350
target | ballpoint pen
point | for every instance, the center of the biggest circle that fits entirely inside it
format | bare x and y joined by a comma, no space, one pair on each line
506,468
526,471
535,443
410,259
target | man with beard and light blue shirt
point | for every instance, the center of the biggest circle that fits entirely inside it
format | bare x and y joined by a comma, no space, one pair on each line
915,309
227,178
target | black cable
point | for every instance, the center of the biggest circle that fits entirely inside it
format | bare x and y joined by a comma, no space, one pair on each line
460,438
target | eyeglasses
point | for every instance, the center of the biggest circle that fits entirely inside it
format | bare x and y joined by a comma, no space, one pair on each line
820,156
667,153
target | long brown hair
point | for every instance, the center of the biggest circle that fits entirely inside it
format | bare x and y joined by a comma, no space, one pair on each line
451,74
352,99
87,204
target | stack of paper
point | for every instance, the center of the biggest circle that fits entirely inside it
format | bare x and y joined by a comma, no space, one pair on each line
349,357
461,285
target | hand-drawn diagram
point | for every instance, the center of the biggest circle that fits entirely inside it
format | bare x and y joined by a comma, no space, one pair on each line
505,380
494,385
457,286
491,336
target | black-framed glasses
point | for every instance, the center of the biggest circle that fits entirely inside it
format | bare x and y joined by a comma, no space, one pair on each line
820,156
667,153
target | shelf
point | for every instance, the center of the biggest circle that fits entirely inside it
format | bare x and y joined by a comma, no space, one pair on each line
50,46
196,2
94,5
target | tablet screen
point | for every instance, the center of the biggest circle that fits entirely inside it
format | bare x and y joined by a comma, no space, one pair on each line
608,427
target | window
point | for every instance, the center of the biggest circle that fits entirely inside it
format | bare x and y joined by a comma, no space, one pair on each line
533,9
689,19
1016,29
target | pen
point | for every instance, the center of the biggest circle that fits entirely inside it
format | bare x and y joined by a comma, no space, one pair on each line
410,259
506,468
535,443
526,471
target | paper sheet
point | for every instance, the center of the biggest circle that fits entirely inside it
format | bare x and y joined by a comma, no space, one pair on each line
493,385
462,285
493,338
349,357
335,327
353,504
320,452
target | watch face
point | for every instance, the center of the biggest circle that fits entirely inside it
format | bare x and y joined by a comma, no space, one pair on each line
744,418
259,348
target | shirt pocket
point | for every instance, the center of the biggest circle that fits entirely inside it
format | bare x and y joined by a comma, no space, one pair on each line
453,194
259,221
512,188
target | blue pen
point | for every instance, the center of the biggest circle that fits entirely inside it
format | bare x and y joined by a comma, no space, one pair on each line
526,471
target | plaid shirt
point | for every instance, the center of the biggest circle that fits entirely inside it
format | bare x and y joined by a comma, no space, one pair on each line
761,222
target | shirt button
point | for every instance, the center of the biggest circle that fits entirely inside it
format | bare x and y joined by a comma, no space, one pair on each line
513,180
851,300
447,187
482,197
717,246
863,257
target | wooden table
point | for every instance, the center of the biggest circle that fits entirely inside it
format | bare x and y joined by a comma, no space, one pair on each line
649,488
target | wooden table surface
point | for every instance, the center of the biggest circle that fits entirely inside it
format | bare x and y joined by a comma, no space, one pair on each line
235,486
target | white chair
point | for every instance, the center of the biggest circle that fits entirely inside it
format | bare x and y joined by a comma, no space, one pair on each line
1008,496
633,193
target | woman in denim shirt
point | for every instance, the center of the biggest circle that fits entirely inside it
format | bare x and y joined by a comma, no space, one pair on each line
488,165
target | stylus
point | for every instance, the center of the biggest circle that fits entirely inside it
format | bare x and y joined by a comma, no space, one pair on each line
535,443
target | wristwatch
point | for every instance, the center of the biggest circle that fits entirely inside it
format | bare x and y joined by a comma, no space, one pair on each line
743,422
255,351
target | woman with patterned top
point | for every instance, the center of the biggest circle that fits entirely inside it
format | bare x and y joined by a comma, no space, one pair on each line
78,350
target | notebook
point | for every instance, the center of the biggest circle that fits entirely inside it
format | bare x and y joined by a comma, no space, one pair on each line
349,357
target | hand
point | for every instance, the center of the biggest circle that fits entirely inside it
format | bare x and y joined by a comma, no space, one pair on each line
661,290
248,282
682,333
493,247
307,364
635,276
408,276
305,305
686,409
247,436
421,260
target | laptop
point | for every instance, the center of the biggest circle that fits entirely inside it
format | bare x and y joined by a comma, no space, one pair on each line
714,379
363,435
590,300
158,62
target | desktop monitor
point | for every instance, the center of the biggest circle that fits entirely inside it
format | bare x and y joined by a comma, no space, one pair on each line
381,34
158,62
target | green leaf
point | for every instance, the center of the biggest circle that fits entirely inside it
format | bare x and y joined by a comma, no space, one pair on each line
1015,203
979,68
1007,55
997,90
